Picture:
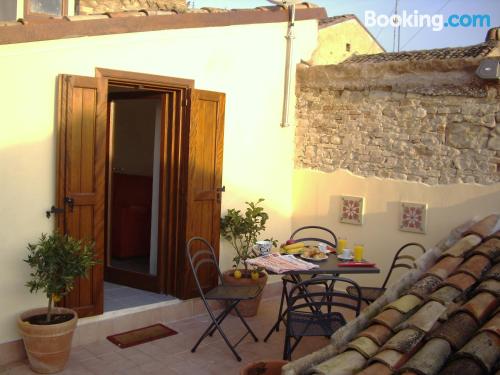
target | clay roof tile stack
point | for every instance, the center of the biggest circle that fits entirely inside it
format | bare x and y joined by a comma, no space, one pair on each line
446,323
475,51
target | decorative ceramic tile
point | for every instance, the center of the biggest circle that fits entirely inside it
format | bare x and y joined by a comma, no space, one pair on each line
351,210
413,217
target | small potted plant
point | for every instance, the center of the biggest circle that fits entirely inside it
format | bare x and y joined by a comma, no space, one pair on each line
242,231
56,261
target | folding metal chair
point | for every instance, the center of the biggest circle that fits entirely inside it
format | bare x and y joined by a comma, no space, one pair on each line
228,294
370,294
311,309
324,235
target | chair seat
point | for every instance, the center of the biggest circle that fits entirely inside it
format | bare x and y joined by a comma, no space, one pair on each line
313,324
233,292
367,293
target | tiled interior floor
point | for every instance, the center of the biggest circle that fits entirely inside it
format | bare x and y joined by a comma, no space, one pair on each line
172,355
117,297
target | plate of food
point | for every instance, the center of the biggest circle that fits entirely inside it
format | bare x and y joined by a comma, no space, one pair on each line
314,254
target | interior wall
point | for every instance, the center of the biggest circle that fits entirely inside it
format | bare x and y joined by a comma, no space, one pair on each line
246,62
134,136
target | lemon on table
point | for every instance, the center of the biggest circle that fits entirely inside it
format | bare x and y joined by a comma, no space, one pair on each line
237,274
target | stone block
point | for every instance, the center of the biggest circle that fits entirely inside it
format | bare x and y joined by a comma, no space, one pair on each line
462,135
494,143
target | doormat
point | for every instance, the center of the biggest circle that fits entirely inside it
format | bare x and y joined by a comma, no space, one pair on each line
141,335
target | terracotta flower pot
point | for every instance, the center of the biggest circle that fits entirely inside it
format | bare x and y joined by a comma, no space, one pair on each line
47,346
272,367
246,308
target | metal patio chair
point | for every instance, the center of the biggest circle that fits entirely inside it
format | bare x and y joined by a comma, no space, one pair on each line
229,295
401,260
312,309
299,235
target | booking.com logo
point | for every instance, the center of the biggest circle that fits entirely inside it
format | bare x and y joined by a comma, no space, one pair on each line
436,21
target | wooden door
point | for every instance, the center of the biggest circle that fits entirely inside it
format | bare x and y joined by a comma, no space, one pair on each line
203,182
82,129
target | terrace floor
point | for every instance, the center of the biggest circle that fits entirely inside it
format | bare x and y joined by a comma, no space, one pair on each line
172,355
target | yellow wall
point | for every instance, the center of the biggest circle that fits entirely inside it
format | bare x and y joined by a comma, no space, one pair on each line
246,62
316,201
332,42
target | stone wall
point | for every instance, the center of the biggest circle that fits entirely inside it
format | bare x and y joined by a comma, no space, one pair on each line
431,122
103,6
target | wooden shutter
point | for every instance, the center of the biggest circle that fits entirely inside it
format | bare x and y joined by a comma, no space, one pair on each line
203,181
81,178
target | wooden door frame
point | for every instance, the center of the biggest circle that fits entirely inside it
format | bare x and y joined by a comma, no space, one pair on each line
171,212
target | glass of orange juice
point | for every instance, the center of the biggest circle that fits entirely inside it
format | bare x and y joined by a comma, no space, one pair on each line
358,252
341,245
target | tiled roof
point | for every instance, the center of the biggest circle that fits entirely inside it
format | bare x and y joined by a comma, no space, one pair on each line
151,19
478,50
448,322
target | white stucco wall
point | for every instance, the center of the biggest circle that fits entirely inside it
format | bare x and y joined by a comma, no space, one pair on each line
246,62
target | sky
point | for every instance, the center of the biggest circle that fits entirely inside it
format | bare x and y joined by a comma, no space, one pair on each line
411,37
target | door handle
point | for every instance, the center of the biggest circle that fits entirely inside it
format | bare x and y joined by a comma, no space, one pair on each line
58,210
219,193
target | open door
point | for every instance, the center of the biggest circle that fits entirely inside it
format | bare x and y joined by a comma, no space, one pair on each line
81,178
203,183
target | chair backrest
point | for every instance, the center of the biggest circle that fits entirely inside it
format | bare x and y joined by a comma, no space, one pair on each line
201,256
324,291
403,260
327,236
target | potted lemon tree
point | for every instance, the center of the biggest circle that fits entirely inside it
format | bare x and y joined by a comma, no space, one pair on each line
241,230
56,261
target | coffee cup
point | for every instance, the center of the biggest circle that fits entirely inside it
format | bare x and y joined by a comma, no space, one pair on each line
263,247
347,253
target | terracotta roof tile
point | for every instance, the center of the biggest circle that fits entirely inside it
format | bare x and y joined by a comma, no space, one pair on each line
484,348
425,318
481,306
493,273
461,281
445,267
493,325
376,369
445,295
462,366
389,318
475,266
405,303
496,234
348,362
364,346
491,285
463,245
430,358
485,227
478,50
490,249
425,286
429,331
391,358
377,332
457,330
404,341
